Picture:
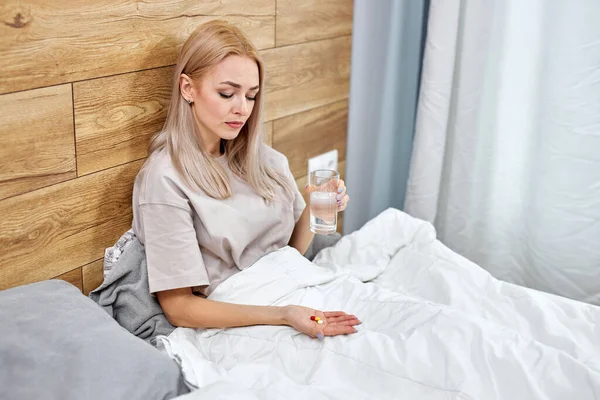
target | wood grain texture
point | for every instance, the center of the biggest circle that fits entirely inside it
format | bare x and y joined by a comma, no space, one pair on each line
306,20
45,43
307,75
53,230
93,275
119,56
116,116
37,139
73,277
310,133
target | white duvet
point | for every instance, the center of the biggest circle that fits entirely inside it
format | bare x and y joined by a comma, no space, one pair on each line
434,326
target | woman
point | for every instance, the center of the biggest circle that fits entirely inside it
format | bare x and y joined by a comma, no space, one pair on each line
212,199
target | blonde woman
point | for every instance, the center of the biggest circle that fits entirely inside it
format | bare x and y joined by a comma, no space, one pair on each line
212,199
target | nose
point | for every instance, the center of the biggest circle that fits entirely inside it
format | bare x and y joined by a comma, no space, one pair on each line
241,107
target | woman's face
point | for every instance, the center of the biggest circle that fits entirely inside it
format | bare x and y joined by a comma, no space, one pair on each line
224,99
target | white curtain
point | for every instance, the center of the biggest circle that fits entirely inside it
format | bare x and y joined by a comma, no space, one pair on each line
386,58
506,154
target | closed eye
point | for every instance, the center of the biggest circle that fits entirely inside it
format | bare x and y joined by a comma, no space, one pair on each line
228,96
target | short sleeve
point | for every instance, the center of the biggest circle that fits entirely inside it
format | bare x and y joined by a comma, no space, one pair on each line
299,203
172,250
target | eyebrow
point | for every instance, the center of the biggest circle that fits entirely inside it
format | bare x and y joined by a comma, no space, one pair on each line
237,85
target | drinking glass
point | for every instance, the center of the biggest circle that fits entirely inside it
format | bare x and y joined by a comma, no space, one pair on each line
323,184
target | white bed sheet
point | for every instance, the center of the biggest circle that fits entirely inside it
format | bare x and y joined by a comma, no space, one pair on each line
435,326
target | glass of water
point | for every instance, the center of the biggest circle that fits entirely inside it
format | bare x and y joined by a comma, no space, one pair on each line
323,185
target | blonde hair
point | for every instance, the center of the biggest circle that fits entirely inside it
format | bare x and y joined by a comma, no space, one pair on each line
207,46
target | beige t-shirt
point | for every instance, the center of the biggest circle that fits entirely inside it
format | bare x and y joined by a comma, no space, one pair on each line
193,240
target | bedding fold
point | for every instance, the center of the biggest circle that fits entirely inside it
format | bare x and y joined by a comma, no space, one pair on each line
435,326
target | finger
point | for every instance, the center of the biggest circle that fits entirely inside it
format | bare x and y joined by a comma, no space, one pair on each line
343,203
330,314
318,328
333,330
342,200
313,330
341,193
350,321
330,185
319,332
333,185
326,187
341,318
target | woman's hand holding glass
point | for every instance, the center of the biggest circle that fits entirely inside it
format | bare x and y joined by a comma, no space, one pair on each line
327,197
342,198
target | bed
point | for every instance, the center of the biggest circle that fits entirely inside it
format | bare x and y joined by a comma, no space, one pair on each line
434,326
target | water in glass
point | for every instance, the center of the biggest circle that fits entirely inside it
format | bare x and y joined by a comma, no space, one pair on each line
323,201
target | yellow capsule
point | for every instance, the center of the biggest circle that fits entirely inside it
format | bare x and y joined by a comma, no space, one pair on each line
317,319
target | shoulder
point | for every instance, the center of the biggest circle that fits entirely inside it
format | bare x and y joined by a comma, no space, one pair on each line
159,168
276,159
159,181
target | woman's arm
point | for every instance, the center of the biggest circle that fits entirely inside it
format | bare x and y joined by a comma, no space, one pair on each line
302,236
182,308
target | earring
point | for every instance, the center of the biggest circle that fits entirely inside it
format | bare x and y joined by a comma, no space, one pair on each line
189,101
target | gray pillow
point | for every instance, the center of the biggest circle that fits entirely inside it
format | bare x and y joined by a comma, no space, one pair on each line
55,343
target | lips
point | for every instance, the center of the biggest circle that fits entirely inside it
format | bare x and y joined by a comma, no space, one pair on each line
235,124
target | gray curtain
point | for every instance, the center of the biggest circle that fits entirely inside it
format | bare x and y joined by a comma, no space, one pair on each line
387,50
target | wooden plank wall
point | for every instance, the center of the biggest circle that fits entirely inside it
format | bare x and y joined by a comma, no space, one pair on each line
83,86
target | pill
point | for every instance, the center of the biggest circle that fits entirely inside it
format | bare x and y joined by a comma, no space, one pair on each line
320,321
312,318
317,319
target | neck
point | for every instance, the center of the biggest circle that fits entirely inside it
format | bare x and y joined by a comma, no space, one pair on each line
213,147
211,143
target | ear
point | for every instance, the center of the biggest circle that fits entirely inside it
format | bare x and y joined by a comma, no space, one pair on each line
186,86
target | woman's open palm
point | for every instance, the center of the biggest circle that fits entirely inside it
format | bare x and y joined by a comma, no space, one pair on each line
334,322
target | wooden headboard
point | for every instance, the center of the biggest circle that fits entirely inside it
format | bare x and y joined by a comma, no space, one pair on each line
83,86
